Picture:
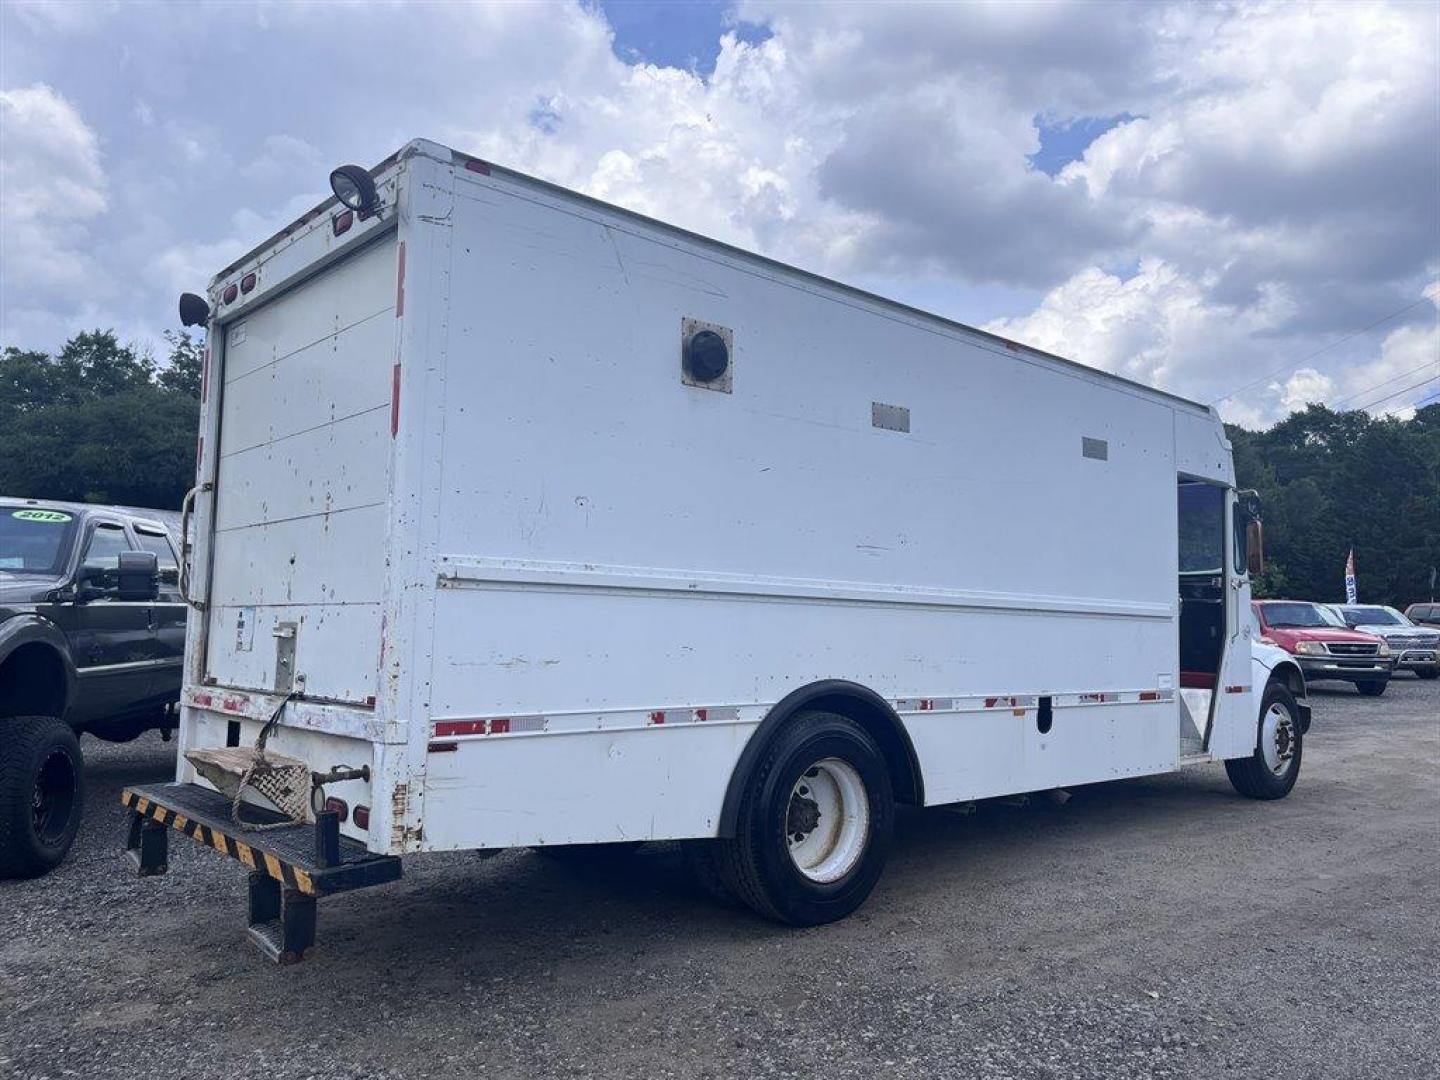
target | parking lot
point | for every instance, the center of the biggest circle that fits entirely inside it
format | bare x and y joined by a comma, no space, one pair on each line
1152,928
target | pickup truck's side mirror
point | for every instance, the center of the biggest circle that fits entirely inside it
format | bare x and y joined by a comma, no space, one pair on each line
138,577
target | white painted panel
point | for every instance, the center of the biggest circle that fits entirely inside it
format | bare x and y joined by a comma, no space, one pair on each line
344,674
506,649
624,785
580,443
358,288
302,485
315,385
573,442
319,559
333,467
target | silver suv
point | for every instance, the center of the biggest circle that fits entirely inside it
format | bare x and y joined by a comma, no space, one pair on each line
1416,648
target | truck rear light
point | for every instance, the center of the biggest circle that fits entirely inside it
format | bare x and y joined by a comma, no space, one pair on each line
231,291
247,283
362,817
338,806
342,222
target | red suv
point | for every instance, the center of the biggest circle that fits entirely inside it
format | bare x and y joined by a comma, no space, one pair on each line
1323,646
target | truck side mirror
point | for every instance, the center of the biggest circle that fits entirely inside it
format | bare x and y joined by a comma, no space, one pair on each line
1255,547
138,577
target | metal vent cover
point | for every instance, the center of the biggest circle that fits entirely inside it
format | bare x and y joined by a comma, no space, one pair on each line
889,417
725,383
1098,449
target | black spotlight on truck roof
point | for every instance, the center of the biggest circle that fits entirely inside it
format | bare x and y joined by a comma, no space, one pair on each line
355,188
194,311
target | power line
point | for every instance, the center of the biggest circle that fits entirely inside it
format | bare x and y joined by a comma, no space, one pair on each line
1397,393
1290,366
1428,400
1383,382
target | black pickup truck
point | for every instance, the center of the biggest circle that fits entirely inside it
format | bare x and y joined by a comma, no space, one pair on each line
92,640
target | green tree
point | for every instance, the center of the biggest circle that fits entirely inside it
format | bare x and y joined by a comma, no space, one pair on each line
1332,482
99,422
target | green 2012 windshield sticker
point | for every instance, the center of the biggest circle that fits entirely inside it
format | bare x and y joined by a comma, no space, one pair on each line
47,517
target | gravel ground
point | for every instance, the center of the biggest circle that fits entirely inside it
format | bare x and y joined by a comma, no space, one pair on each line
1154,928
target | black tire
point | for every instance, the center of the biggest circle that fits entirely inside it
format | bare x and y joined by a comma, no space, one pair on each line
756,865
1428,673
1372,688
1252,776
42,794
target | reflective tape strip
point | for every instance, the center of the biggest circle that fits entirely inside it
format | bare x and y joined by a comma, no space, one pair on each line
252,858
452,729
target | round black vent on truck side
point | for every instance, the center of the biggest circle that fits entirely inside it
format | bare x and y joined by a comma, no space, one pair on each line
707,357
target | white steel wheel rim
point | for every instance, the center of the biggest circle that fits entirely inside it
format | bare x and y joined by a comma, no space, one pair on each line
1277,738
827,820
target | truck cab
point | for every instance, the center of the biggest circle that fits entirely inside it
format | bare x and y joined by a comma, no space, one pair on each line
92,635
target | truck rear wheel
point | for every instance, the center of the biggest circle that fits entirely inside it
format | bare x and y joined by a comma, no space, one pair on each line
1270,772
42,794
814,824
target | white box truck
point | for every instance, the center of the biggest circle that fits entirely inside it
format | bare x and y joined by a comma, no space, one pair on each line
524,520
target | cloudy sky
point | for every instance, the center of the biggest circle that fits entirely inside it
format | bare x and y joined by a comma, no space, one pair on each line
1239,203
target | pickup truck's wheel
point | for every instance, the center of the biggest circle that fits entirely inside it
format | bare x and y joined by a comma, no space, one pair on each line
814,824
1428,673
1372,688
42,794
1270,772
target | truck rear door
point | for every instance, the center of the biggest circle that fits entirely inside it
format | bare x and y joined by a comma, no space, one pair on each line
297,564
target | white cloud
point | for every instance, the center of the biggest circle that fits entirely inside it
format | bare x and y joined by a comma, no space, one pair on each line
1303,387
1275,191
282,157
51,186
1158,326
51,160
1406,370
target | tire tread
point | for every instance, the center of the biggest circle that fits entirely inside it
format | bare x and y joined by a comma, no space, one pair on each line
22,737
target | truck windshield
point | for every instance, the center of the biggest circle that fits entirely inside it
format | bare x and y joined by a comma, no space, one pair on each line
1289,616
34,540
1373,616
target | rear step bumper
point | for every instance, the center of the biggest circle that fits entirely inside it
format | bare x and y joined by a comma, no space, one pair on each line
290,867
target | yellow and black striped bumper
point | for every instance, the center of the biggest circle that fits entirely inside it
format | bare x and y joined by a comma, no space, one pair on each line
253,857
286,854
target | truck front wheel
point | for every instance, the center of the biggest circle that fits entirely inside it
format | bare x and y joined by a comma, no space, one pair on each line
1270,772
814,824
1372,688
42,794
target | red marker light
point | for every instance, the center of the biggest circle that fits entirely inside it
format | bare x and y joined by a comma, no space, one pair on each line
247,283
362,817
231,291
342,222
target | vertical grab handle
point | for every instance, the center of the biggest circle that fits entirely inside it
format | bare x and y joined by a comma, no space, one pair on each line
186,547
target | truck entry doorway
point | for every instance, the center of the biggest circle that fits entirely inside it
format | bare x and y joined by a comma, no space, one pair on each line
1201,508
